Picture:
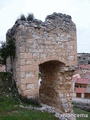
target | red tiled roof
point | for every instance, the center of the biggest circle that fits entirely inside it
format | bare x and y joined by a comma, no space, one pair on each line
82,80
80,90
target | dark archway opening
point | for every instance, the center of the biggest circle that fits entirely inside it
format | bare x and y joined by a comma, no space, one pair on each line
50,84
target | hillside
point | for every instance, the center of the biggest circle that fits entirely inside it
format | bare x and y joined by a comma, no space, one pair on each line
12,108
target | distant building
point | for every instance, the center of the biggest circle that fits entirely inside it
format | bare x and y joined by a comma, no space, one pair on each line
81,87
81,78
83,58
83,71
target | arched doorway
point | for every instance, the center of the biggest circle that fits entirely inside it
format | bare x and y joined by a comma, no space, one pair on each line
52,79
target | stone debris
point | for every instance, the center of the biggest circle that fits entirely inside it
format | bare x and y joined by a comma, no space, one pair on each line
46,108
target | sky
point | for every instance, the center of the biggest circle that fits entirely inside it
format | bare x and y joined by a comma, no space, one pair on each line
79,10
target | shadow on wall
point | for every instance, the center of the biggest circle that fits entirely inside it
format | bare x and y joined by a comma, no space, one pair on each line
49,82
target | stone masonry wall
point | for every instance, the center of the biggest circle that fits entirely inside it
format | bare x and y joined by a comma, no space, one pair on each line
56,86
51,46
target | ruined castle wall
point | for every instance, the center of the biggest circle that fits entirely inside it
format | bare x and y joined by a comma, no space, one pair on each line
38,42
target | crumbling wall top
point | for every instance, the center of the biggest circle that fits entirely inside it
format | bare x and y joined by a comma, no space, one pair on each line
53,21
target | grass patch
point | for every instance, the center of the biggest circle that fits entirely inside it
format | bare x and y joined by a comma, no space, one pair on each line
10,104
10,110
79,111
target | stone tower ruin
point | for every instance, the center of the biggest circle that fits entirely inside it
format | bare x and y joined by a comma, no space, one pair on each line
48,48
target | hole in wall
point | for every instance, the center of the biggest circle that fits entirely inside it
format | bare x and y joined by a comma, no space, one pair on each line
49,80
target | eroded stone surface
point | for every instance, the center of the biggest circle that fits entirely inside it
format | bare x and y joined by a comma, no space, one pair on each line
48,47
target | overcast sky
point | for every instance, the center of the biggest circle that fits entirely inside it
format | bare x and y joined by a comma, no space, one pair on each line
10,10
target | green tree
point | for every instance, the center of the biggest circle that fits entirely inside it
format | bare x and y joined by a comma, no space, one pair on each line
3,53
7,50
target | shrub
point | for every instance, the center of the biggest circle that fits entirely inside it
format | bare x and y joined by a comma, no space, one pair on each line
30,17
7,50
22,17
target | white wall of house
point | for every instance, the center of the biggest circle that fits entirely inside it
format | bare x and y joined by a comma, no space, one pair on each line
82,95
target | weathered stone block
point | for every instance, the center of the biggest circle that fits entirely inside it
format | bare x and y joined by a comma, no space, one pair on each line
27,68
23,87
30,75
29,80
32,86
30,92
28,55
22,74
22,61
